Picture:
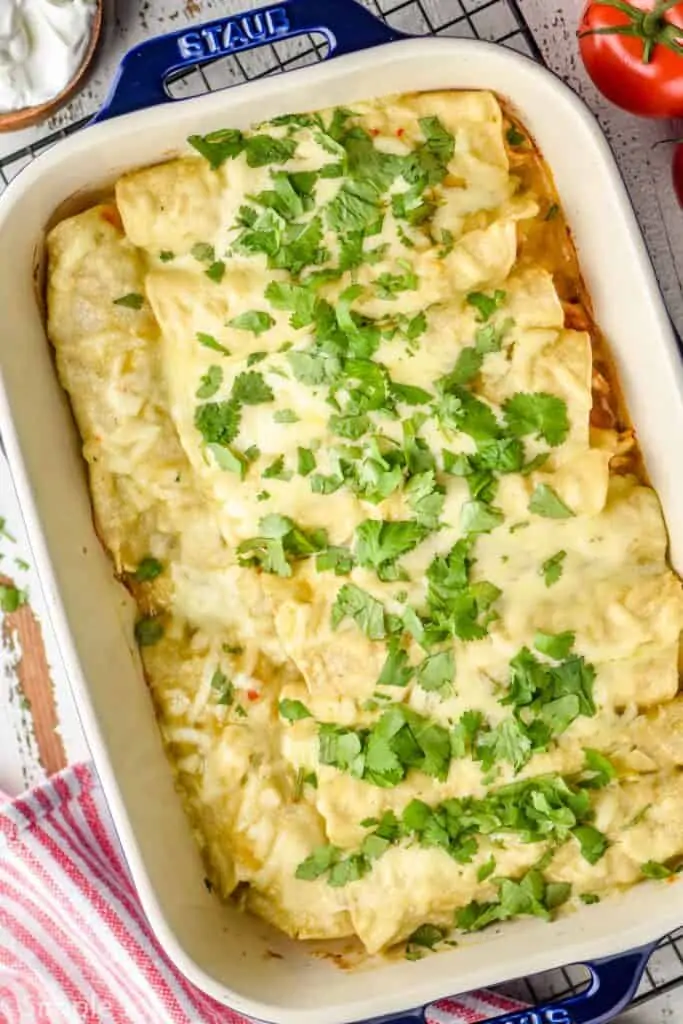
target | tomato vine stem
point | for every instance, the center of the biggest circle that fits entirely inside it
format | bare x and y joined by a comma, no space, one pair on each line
650,26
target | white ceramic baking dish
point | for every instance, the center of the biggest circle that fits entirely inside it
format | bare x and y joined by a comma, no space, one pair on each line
222,951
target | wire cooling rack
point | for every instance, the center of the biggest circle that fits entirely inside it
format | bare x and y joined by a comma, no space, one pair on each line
499,21
663,973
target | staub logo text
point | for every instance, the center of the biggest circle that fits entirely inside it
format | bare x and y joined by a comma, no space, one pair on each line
235,34
547,1016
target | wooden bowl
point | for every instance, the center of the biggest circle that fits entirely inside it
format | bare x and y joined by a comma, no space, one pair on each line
12,120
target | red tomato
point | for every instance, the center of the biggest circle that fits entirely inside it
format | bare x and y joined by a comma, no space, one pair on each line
634,54
677,167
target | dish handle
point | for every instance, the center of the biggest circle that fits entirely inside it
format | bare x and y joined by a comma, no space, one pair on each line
140,80
613,983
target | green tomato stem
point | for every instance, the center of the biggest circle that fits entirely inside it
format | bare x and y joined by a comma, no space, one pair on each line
650,26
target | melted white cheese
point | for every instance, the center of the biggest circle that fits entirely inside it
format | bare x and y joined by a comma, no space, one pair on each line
238,641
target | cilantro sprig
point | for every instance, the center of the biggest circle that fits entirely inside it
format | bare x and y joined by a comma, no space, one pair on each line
546,809
530,895
280,542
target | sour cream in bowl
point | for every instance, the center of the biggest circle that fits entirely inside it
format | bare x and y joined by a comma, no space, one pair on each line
45,46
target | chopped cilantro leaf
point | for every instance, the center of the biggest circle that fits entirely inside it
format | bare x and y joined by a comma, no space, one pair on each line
416,326
148,631
508,741
208,341
427,936
552,568
458,409
310,367
478,517
203,252
410,394
253,320
467,366
556,894
653,869
355,603
11,597
555,645
279,543
293,710
456,606
263,233
300,246
286,198
365,162
332,170
456,464
264,149
305,461
426,499
486,869
396,671
486,305
356,206
390,285
351,427
464,733
318,862
326,484
546,502
379,543
598,770
412,205
439,140
336,559
216,272
447,243
505,455
593,843
4,532
362,335
556,693
553,211
224,689
539,414
286,416
276,470
514,136
589,898
210,382
218,422
298,299
133,300
166,255
436,672
536,463
229,459
489,338
219,146
148,569
250,388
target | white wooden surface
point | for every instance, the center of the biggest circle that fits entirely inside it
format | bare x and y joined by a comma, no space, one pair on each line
645,167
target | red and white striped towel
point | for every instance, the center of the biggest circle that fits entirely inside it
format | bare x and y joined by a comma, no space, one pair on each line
75,947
